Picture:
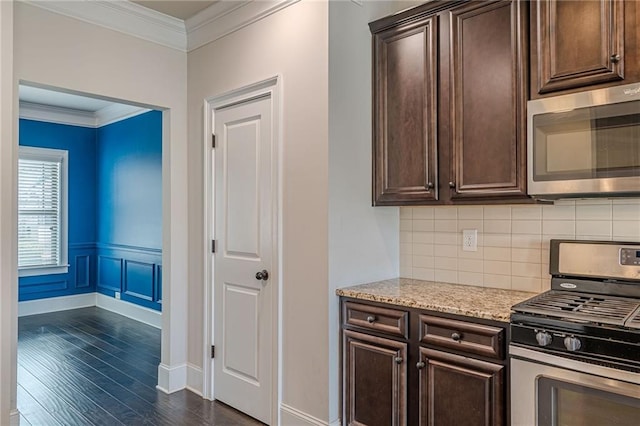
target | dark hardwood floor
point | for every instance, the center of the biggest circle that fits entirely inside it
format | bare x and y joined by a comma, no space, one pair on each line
94,367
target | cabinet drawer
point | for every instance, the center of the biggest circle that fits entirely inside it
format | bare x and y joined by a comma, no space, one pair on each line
464,336
385,320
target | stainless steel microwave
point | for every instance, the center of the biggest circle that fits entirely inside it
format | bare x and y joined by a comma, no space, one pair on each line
585,144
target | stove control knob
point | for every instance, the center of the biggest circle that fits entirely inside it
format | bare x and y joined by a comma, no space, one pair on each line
572,343
543,338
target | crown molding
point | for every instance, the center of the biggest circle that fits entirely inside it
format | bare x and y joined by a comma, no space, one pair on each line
214,12
74,117
218,20
51,114
117,112
224,18
125,17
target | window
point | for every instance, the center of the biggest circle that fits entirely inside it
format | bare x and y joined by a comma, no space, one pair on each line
42,211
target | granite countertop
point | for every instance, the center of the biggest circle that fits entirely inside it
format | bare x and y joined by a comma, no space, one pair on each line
479,302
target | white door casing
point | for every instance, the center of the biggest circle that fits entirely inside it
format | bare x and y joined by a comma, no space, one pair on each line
243,218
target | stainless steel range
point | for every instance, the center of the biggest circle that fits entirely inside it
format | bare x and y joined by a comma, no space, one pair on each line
575,349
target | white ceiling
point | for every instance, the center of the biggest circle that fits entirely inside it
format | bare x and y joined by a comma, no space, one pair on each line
181,9
48,97
77,110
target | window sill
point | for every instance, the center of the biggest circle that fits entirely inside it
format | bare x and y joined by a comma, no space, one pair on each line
48,270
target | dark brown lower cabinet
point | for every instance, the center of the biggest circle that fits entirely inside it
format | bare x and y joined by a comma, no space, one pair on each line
406,366
375,380
461,391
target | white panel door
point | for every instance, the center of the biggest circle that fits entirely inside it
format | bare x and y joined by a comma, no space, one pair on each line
243,224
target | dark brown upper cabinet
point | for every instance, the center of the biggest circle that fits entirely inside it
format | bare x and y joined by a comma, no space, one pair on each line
488,84
579,44
449,93
405,130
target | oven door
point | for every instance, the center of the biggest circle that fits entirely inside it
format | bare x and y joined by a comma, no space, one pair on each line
548,390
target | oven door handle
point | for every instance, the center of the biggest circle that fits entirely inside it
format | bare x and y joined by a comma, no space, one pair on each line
560,362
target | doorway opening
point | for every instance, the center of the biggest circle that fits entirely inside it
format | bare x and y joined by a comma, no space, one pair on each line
89,252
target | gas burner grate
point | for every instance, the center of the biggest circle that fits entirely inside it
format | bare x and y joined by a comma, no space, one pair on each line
634,321
584,307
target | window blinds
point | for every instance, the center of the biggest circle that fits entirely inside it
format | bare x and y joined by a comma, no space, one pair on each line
39,212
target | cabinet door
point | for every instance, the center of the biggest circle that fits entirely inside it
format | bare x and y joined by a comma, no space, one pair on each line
404,116
577,43
375,375
460,391
488,75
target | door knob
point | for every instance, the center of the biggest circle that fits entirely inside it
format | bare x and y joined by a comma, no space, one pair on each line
262,275
615,58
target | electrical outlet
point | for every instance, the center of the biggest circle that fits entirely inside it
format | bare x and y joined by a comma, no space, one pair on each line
469,240
117,295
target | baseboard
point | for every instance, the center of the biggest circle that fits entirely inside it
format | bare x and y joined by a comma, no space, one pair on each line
14,418
194,379
172,379
55,304
138,313
76,301
290,416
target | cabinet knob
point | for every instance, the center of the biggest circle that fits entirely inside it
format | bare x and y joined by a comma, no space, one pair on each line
430,185
615,58
398,360
452,185
371,319
456,336
420,365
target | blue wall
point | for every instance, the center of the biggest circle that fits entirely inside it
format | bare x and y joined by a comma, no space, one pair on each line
81,144
115,205
130,181
129,204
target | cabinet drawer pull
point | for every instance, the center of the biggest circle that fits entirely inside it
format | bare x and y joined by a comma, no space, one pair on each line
456,337
371,319
452,185
420,365
430,185
398,360
615,58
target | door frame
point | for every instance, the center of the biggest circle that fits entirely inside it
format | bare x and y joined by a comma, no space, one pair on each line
271,87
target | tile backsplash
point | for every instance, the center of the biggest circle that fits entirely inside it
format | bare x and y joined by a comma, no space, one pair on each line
513,241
